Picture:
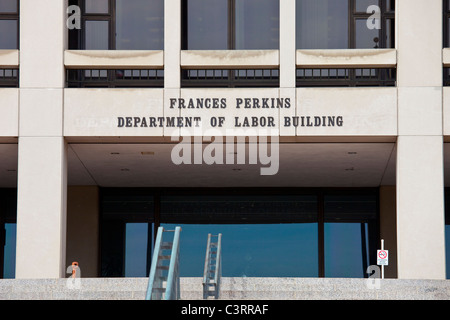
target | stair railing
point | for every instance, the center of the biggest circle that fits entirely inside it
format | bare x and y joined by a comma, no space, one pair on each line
162,286
213,267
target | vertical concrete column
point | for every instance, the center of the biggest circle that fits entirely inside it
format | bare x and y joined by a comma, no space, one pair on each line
172,43
287,44
287,63
420,185
42,164
172,59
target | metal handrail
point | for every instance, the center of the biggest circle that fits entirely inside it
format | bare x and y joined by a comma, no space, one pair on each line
208,267
207,260
153,270
218,261
155,282
173,279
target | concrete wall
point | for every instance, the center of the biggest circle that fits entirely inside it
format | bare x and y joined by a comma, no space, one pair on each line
83,229
420,184
42,163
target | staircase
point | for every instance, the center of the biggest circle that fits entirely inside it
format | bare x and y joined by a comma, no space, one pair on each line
164,281
231,289
213,267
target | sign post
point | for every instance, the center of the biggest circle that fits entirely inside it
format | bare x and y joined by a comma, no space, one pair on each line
382,258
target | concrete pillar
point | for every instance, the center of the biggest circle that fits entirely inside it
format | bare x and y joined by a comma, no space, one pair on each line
287,44
41,207
420,185
42,163
287,62
83,225
172,44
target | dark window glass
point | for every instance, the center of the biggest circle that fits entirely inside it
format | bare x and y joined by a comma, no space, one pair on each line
139,25
262,235
252,250
207,25
97,6
9,24
322,24
8,229
257,24
97,35
447,250
366,38
8,6
230,24
447,230
343,24
9,257
349,235
363,5
127,234
446,23
119,24
8,34
237,78
265,233
136,241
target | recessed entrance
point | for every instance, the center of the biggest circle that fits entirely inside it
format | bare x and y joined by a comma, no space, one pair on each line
267,232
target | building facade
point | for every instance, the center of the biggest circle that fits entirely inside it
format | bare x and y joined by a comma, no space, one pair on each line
304,131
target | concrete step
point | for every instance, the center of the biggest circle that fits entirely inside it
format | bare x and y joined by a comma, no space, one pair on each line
231,289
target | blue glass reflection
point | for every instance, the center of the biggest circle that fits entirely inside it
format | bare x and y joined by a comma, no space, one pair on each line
346,251
447,250
136,235
9,263
250,250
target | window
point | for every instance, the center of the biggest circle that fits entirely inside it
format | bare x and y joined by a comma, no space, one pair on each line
344,24
446,23
267,232
447,231
8,224
230,24
126,233
119,25
9,24
350,229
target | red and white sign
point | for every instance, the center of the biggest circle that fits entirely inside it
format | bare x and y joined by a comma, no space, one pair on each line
382,257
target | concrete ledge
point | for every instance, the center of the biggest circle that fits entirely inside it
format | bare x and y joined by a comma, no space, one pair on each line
233,59
9,58
446,57
111,59
347,58
231,289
